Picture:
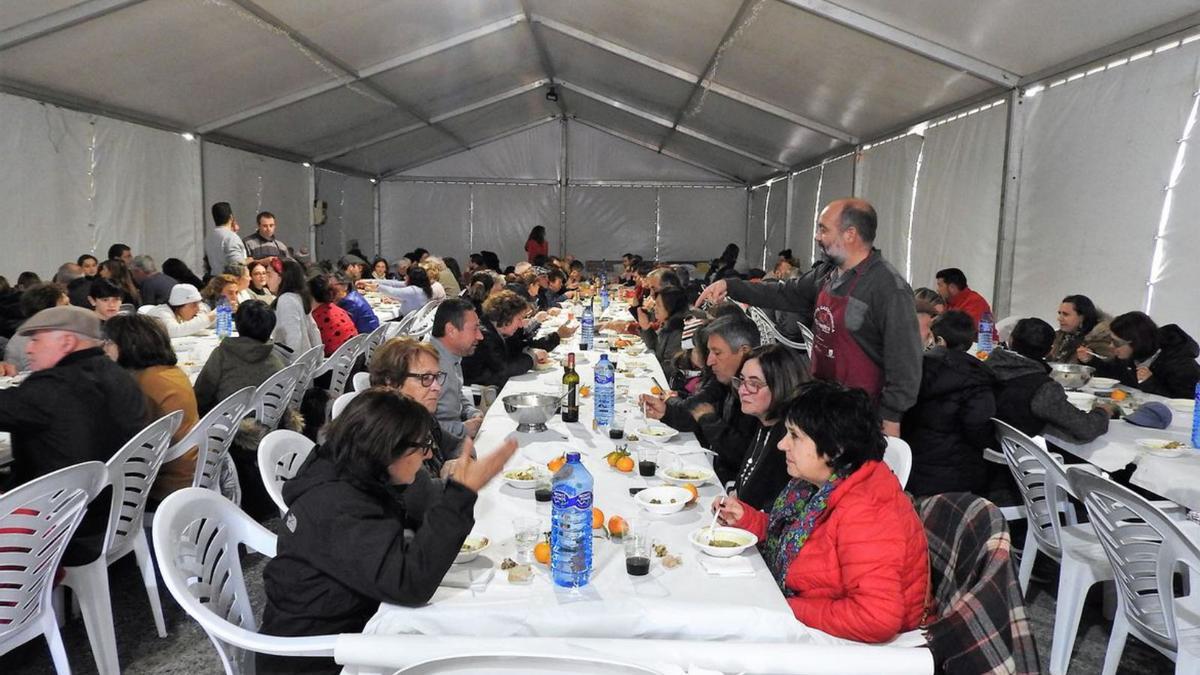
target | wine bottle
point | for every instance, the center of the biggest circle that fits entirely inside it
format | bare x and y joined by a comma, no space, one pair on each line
570,381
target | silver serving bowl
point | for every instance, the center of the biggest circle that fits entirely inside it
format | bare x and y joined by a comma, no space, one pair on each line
1071,375
531,411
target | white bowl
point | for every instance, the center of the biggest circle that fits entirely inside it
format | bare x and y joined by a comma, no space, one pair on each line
1157,446
744,540
670,499
672,475
636,349
656,433
477,545
1103,382
1081,400
509,477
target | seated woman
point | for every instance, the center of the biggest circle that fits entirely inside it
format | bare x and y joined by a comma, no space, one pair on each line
143,348
116,271
689,365
332,321
670,309
483,285
951,423
243,361
294,326
413,293
380,269
344,550
1080,325
257,288
843,540
412,368
768,379
180,272
1156,360
221,287
105,298
241,272
183,315
498,358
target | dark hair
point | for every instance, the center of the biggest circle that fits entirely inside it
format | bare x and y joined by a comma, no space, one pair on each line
251,267
644,267
956,328
4,286
103,288
1139,330
503,307
863,220
730,255
786,254
952,275
293,280
1032,338
322,287
85,256
1085,308
841,422
669,277
737,331
756,273
122,277
556,274
452,265
254,320
38,297
222,213
179,271
476,258
576,265
27,279
538,234
379,426
784,372
673,299
481,286
417,276
263,214
380,259
420,253
142,341
727,309
116,251
452,311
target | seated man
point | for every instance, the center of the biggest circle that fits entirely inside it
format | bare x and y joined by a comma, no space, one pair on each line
952,285
243,361
155,286
497,358
715,412
76,406
556,291
455,334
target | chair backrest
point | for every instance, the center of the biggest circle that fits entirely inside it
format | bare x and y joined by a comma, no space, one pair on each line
769,332
361,381
1043,484
898,457
340,363
311,360
1145,548
386,331
272,397
37,520
131,472
196,538
279,458
340,403
212,436
420,322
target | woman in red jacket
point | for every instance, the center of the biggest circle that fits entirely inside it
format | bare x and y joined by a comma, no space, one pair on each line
843,540
536,245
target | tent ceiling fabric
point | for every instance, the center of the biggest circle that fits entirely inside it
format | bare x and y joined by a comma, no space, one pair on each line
380,85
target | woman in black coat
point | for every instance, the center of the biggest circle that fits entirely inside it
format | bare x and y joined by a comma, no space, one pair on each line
950,424
1156,360
670,308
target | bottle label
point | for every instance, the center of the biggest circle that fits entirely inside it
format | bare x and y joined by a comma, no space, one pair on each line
581,501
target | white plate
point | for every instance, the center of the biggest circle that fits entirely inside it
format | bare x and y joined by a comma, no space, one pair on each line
521,484
1103,382
478,545
706,475
1183,405
745,540
503,664
656,433
1081,400
671,499
1155,446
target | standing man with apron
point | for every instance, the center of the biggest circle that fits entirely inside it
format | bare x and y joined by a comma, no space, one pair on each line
860,309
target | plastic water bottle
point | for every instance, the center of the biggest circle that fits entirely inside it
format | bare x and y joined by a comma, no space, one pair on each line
603,298
224,319
604,393
1196,419
985,333
571,524
587,325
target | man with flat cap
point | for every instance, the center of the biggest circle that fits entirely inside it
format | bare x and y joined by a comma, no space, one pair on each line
76,406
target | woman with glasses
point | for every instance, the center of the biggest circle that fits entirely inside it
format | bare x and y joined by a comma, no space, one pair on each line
412,368
1156,360
769,378
258,288
342,548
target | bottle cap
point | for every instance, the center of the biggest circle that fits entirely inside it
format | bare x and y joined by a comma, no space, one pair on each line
572,456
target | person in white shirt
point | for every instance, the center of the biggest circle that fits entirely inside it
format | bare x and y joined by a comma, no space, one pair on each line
184,313
222,245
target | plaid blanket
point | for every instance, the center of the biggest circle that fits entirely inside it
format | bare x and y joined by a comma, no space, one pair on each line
979,623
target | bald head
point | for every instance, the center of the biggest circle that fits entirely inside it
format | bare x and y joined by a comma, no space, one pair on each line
853,213
846,230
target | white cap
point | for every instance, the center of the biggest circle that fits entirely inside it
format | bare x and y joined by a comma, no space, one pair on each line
182,294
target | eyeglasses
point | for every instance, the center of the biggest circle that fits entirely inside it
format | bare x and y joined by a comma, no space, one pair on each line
751,386
1118,342
426,446
427,379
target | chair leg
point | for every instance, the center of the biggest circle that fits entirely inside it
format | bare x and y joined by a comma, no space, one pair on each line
1186,663
58,653
1074,580
150,580
1028,555
90,583
58,603
1116,642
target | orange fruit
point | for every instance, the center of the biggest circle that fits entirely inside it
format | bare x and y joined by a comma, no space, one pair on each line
557,463
541,552
617,526
615,456
656,390
597,518
692,489
625,464
1119,395
585,391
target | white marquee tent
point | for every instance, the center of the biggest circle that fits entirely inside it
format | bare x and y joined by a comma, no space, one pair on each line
1040,146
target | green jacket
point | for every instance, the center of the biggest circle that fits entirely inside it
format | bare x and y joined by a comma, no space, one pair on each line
238,362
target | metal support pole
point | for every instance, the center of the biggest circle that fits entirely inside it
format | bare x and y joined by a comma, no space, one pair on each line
378,218
312,197
1006,239
787,217
563,167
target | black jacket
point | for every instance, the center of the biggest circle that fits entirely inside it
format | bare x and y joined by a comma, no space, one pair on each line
950,425
341,552
1174,372
666,342
1029,400
759,484
495,359
11,316
728,432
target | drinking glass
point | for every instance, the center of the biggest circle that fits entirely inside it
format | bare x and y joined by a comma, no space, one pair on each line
637,550
526,531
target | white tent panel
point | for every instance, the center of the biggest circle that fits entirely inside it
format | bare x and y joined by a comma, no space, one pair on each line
804,212
605,222
531,154
596,155
503,215
776,226
755,243
885,178
957,217
349,214
706,154
252,183
1097,154
436,216
613,119
479,126
407,150
838,180
17,13
294,127
697,223
340,143
760,132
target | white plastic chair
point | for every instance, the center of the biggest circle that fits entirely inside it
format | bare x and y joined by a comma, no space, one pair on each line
212,436
419,322
340,363
196,538
1146,547
131,472
1044,488
770,332
386,331
1010,513
272,397
361,381
311,360
340,403
898,457
280,456
37,520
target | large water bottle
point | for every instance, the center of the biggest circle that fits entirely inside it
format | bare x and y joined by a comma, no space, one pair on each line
571,524
224,319
587,326
604,393
1196,419
603,298
985,333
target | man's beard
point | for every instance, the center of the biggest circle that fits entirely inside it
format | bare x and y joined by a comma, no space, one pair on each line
835,258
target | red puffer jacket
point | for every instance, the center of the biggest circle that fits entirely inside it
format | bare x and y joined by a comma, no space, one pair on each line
864,571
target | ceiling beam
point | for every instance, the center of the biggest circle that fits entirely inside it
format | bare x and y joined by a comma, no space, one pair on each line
491,100
441,46
390,173
907,41
62,19
543,54
654,148
680,74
